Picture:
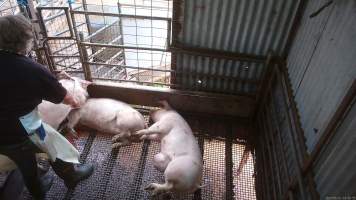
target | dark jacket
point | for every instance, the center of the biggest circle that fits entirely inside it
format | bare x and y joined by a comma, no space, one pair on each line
23,85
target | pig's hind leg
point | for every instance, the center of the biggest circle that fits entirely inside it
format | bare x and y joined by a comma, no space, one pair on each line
161,161
121,139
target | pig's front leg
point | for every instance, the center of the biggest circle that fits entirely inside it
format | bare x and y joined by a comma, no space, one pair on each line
154,137
156,129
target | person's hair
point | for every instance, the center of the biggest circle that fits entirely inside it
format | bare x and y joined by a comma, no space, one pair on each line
15,33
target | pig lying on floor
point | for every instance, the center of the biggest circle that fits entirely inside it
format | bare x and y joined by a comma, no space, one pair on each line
180,156
109,116
105,115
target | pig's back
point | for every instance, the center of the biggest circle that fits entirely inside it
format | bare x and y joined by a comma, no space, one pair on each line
98,112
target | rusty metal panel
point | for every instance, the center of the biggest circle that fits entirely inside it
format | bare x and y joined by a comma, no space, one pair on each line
335,173
330,66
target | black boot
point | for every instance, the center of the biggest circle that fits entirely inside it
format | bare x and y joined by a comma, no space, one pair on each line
45,183
72,173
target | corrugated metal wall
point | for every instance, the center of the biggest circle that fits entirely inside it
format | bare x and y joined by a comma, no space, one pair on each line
335,172
322,68
245,26
279,157
322,63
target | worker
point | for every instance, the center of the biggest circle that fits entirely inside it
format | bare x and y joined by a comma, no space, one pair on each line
23,85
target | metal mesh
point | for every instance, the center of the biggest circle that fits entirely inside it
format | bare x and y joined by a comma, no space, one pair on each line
123,174
8,7
125,41
244,173
214,170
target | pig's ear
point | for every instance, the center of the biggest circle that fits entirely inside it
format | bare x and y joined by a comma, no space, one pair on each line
63,75
164,104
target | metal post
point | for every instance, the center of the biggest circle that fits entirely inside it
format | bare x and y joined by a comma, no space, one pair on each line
85,58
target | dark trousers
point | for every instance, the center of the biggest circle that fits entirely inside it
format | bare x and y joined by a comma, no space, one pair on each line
24,155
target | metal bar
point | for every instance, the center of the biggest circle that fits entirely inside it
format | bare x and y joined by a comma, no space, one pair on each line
85,58
132,81
99,31
217,54
66,56
79,38
267,88
103,48
54,16
126,66
265,77
49,59
87,20
67,31
121,46
279,136
169,22
121,32
267,191
42,23
269,153
48,52
143,6
59,38
269,133
294,141
119,15
197,194
334,123
61,60
71,71
52,7
69,23
111,70
55,52
229,164
71,66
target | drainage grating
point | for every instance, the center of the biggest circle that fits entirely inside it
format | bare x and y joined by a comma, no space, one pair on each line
124,173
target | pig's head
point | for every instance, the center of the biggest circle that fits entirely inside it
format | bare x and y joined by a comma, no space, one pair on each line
155,115
76,87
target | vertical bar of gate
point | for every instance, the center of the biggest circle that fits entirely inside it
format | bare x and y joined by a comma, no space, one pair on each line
228,162
50,59
85,59
87,20
122,36
86,69
169,22
69,22
41,22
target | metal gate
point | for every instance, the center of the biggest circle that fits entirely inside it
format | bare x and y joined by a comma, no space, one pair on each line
107,42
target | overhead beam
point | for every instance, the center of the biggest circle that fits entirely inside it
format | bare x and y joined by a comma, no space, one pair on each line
185,101
217,54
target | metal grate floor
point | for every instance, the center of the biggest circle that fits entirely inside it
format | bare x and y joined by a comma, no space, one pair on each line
123,174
